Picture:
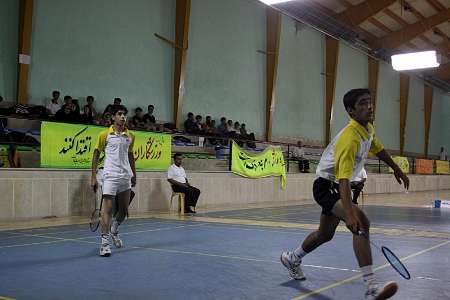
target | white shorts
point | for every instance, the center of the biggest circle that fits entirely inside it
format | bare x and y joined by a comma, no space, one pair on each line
112,186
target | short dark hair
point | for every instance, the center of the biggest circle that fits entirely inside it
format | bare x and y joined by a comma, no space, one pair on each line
67,97
116,108
90,97
117,99
223,119
352,96
177,155
198,117
56,92
138,109
190,114
151,105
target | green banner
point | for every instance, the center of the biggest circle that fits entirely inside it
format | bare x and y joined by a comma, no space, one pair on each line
71,146
268,163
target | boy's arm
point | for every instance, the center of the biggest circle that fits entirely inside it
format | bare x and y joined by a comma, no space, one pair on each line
398,173
352,221
95,158
132,161
133,168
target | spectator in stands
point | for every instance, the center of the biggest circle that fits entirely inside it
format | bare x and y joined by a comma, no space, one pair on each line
189,124
298,154
149,118
176,175
222,128
89,110
443,154
207,123
237,128
109,107
137,121
212,127
66,113
246,136
106,119
53,106
230,128
76,110
198,124
67,100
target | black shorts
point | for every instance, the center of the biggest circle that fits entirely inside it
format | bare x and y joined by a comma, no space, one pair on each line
326,194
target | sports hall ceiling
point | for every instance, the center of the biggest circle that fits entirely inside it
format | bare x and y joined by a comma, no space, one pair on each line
383,27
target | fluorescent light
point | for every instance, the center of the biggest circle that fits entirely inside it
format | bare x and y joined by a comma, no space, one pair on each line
270,2
416,60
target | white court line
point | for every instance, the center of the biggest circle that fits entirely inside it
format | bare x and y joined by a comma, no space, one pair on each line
96,236
83,240
31,244
301,231
350,279
86,229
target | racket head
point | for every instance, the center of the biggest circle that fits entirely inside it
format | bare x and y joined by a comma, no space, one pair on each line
396,262
95,220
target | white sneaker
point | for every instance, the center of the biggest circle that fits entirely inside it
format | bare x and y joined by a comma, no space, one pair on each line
292,263
377,292
117,242
105,250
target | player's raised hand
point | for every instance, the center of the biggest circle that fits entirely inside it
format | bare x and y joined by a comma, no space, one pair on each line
402,178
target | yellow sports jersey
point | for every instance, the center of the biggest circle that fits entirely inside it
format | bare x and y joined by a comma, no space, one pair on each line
345,156
116,147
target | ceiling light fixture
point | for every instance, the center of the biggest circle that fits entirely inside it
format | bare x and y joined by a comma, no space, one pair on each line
415,60
270,2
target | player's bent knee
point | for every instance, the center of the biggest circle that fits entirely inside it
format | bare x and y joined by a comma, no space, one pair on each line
325,237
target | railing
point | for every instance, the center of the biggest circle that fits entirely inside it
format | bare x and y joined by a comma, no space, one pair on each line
202,143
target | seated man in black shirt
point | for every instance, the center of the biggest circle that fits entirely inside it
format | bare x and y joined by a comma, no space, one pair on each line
137,121
149,118
67,113
189,124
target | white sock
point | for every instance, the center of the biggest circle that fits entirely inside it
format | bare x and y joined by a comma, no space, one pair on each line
299,252
105,238
368,275
115,227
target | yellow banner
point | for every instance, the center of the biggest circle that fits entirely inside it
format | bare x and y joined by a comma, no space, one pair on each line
72,146
402,162
442,167
268,163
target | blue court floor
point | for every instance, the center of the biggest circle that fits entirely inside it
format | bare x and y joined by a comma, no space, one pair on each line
204,258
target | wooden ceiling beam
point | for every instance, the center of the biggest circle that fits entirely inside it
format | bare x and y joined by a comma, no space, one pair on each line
273,33
182,14
400,37
443,72
436,5
428,107
442,48
422,17
403,23
357,14
25,29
